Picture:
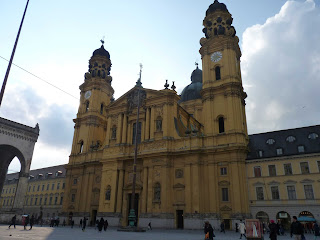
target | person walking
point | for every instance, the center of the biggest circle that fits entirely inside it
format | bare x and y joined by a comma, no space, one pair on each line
106,224
222,228
72,223
316,230
273,230
31,222
13,221
149,226
242,229
296,229
237,227
80,223
208,230
84,224
26,222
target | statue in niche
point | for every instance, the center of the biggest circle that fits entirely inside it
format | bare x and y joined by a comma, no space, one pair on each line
179,173
114,132
157,192
108,193
159,125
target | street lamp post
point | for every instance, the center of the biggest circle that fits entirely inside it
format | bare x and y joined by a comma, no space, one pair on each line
132,215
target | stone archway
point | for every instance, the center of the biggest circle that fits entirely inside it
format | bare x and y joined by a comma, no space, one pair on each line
17,140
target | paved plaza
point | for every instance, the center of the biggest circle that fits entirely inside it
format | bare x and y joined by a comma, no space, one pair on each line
68,233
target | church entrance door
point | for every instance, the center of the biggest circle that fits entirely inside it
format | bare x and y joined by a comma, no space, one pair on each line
180,219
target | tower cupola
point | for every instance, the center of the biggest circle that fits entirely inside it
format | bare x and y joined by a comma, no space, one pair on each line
99,65
218,21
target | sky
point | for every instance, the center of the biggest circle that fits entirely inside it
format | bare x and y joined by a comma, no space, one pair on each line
280,59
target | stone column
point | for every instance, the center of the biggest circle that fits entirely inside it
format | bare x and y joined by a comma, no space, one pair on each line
144,190
152,127
147,132
188,195
21,191
119,130
124,129
107,141
120,192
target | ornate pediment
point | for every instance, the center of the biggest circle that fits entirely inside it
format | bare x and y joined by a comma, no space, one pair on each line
224,183
73,191
274,183
129,187
225,208
258,184
290,182
71,207
178,185
307,181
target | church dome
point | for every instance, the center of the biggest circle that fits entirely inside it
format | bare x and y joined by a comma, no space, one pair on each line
101,52
192,91
216,6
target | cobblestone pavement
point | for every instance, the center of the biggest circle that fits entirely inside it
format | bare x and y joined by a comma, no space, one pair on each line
62,233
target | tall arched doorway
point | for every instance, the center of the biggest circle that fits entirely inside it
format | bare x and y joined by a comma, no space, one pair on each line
263,217
17,140
284,219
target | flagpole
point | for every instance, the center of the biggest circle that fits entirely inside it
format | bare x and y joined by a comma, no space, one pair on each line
12,55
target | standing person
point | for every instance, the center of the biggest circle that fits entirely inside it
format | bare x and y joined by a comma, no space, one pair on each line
26,222
80,223
149,226
316,230
13,221
242,229
105,226
296,229
236,227
100,224
72,223
208,230
31,222
273,230
222,229
64,223
84,224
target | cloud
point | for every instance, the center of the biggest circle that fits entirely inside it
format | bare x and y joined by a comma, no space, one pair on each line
281,69
24,105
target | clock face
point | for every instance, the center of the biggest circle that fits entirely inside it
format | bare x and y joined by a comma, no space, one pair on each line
87,95
216,56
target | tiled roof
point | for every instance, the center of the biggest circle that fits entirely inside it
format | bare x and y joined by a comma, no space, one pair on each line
301,137
44,171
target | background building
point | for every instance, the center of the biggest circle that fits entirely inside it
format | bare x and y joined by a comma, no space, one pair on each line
45,191
283,169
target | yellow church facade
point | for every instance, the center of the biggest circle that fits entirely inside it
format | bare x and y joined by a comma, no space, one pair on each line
191,147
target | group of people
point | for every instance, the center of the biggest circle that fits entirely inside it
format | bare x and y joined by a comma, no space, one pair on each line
296,230
102,224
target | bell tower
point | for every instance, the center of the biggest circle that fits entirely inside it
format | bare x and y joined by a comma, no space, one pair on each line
222,92
96,93
224,119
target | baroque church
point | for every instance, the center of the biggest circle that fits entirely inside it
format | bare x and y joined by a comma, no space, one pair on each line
191,147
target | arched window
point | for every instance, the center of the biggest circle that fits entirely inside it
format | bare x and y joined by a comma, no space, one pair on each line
221,124
157,192
87,106
101,108
108,193
81,146
218,74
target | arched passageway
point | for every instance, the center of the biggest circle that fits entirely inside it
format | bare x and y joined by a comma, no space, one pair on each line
17,140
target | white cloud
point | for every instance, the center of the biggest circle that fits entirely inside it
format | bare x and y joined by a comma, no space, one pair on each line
280,69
